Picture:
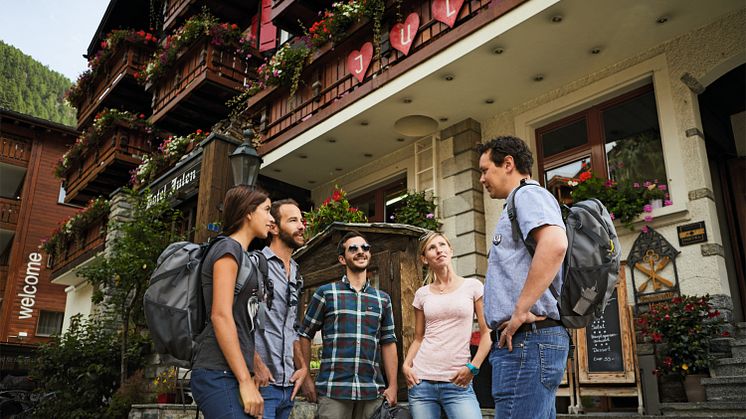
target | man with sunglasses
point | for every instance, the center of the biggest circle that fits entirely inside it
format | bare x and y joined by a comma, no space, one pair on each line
279,367
355,319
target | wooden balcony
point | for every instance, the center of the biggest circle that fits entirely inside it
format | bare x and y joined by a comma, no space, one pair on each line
291,14
9,211
115,86
175,12
14,151
194,92
91,242
106,166
328,87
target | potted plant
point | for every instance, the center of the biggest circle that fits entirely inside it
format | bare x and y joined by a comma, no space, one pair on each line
417,209
683,329
164,386
334,208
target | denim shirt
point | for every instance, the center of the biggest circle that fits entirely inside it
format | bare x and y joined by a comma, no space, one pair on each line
275,345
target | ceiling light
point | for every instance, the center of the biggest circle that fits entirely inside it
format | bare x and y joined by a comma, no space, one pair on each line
442,119
401,140
448,77
557,18
339,169
331,140
277,170
407,100
489,101
498,50
661,20
539,77
311,182
595,51
364,123
303,156
368,155
415,125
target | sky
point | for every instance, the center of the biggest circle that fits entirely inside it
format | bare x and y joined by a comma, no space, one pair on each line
53,32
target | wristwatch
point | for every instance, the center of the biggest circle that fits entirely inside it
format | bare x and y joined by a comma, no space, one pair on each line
474,370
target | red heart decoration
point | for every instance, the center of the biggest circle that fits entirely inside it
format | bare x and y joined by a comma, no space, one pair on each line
446,11
358,61
402,34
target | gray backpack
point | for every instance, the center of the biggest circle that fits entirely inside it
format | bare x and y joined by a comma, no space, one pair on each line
173,302
591,266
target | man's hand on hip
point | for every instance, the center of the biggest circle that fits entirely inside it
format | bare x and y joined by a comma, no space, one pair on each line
508,328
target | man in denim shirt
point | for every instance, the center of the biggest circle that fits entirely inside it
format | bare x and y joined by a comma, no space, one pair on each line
354,319
530,345
278,363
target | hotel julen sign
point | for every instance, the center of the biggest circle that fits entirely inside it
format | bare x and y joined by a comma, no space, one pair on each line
180,184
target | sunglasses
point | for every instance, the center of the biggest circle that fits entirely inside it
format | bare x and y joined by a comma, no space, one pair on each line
365,247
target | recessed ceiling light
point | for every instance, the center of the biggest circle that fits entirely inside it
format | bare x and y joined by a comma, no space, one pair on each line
448,77
364,123
595,51
311,182
331,140
498,50
407,100
368,155
442,119
661,20
339,169
539,77
400,139
557,18
303,156
277,170
489,101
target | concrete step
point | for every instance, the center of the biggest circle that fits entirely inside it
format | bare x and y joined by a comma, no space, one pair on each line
704,410
728,367
725,388
721,347
738,348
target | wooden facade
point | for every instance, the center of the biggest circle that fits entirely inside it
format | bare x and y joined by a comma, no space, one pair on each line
32,217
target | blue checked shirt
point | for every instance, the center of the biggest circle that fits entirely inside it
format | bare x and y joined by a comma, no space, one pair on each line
352,326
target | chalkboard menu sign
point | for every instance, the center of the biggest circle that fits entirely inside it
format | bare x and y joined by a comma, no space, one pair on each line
604,340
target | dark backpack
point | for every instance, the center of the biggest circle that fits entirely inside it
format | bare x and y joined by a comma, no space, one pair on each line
591,265
173,302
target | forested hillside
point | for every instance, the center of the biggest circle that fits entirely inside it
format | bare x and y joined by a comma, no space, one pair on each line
29,87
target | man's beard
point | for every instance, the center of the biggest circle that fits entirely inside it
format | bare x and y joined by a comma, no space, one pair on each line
289,240
354,268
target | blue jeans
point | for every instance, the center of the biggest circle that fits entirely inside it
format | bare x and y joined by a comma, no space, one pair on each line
277,403
525,381
216,394
427,397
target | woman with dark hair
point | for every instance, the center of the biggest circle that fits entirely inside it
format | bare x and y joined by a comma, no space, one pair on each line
438,367
221,377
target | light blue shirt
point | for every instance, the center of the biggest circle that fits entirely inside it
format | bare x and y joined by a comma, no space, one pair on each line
508,260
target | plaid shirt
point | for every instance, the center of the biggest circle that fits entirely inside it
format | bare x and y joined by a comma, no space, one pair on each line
352,325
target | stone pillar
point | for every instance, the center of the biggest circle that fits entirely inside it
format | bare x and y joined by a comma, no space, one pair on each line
215,179
462,201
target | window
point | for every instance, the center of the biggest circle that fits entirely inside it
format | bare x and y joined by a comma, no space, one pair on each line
63,193
618,139
381,203
50,323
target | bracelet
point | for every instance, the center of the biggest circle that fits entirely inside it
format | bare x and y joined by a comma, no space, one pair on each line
474,370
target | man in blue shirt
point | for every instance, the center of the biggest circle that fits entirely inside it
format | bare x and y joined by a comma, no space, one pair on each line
279,369
354,319
530,345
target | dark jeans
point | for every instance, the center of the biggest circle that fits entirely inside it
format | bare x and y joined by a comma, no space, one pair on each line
216,394
277,403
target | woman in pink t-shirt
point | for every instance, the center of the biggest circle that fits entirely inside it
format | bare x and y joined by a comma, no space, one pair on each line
438,367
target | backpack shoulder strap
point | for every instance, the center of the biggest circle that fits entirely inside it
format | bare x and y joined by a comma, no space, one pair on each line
516,227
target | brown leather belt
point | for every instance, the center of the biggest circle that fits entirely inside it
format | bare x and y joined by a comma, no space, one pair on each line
526,327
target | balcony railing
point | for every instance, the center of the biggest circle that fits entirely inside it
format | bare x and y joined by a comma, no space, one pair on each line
194,91
105,166
88,244
237,11
9,210
329,87
14,151
115,85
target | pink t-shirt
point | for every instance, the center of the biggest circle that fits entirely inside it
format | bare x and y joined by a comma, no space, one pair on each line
448,322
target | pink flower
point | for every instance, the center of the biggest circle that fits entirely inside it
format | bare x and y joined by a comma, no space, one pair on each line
667,203
636,185
646,184
611,214
662,187
648,218
430,216
647,208
645,229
